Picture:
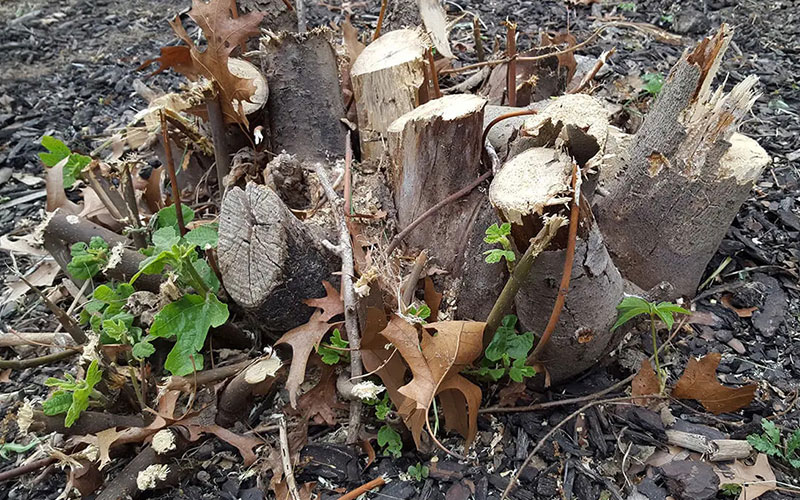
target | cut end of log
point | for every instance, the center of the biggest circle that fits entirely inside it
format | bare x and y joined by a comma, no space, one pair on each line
447,108
244,69
391,49
744,160
534,179
579,120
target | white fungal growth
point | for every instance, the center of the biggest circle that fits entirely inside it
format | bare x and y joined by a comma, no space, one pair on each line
115,257
148,479
163,441
367,390
73,219
89,353
25,417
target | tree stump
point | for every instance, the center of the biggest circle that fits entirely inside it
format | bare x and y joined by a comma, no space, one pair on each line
305,105
387,77
270,261
435,150
534,184
684,175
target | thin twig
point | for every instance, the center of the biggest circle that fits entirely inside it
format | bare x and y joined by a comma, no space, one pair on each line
286,458
437,92
512,482
476,35
21,364
173,178
218,137
419,220
353,494
505,116
348,176
601,61
495,62
569,258
410,286
380,20
521,270
70,325
129,194
24,469
345,251
511,52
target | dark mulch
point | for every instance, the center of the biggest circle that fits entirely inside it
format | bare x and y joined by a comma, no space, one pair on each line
67,69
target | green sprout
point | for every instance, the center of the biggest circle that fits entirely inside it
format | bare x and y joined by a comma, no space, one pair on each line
507,354
335,351
769,442
498,235
418,472
653,83
72,396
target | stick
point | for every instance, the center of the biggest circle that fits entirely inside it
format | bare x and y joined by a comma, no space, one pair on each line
437,92
70,325
353,494
205,377
348,176
512,114
380,20
21,364
133,210
568,261
521,270
453,197
601,61
511,52
24,469
217,124
410,285
476,34
345,251
173,179
286,457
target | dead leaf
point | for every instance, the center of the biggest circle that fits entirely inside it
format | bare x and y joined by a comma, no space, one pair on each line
178,57
320,403
43,276
5,376
104,441
54,185
755,479
152,193
645,383
370,451
699,382
745,312
245,444
302,339
352,44
435,20
566,60
86,477
510,394
224,34
432,298
331,304
25,245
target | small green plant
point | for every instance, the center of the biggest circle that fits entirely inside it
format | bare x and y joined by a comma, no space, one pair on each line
628,6
88,260
630,307
7,448
666,18
418,313
390,441
507,353
769,442
383,407
58,151
653,83
498,235
418,472
731,489
335,351
73,396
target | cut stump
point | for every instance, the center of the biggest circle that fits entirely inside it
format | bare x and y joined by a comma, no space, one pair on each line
270,261
435,150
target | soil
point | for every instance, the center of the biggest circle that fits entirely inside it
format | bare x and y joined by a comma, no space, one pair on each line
67,69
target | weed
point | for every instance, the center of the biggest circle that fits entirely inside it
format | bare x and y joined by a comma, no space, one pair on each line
731,489
72,396
630,307
418,472
507,353
58,152
653,83
390,441
499,235
88,260
627,6
335,351
769,442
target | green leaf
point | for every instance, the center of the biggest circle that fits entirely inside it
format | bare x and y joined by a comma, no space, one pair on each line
390,441
496,255
167,217
762,444
143,349
207,274
332,356
793,445
165,238
204,236
80,402
58,403
383,408
495,234
518,346
93,374
58,151
73,168
771,431
188,320
423,312
671,308
629,308
87,260
519,371
115,329
653,83
666,317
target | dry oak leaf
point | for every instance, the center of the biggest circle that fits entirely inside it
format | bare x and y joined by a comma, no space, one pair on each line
433,299
331,304
320,403
104,441
224,34
755,479
434,369
699,382
302,339
645,383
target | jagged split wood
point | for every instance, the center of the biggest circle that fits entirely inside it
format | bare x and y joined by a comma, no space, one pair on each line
387,79
270,261
305,105
684,175
533,184
435,150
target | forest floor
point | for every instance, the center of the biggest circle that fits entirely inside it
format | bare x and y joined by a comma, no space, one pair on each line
67,69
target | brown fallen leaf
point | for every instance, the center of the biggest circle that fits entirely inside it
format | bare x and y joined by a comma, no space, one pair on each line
54,186
755,479
302,339
645,383
699,382
742,312
244,443
5,376
432,298
178,57
319,405
331,304
566,60
104,441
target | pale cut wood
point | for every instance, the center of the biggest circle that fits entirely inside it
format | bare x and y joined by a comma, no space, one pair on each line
683,177
387,77
435,150
305,105
270,261
715,450
536,184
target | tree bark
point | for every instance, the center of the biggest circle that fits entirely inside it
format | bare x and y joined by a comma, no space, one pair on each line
684,175
270,261
387,78
533,184
435,150
305,105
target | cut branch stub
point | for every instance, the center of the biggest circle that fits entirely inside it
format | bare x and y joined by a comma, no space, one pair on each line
435,150
684,175
270,261
387,77
305,105
534,184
